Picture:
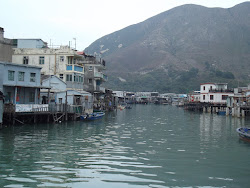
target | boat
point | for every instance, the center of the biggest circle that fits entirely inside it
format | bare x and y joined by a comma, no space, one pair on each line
121,107
92,116
128,107
244,133
221,113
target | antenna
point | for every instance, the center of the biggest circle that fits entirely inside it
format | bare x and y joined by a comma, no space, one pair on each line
75,42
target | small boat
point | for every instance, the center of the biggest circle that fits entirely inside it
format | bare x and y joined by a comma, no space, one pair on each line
92,116
128,107
244,133
221,113
121,107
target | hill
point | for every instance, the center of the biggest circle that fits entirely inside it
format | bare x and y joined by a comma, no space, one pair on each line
178,49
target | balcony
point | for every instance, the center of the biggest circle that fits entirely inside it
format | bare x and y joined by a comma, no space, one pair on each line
100,75
221,91
75,68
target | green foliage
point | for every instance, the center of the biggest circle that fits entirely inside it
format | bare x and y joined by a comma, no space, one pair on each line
227,75
170,81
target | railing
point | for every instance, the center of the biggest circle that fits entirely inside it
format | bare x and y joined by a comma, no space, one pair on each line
221,90
53,108
76,68
100,75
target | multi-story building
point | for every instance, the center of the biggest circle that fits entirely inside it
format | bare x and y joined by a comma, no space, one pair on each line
215,93
20,83
63,62
94,75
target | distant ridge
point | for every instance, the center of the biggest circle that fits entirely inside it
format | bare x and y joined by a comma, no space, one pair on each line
176,50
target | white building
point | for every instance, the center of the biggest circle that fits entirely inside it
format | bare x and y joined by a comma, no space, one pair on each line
214,93
63,62
194,97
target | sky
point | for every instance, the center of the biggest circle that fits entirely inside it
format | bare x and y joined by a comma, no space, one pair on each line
81,22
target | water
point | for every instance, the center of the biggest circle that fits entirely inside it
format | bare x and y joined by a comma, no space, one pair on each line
147,146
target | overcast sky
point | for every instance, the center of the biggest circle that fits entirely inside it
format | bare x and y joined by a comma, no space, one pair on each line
58,21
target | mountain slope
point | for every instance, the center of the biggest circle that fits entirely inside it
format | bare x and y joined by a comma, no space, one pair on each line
177,49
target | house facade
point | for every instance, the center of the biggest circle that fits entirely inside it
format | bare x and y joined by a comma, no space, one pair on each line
214,93
62,62
194,96
20,84
94,75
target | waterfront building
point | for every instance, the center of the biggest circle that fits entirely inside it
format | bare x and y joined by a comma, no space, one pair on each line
58,96
5,47
93,75
55,84
143,97
21,88
216,93
62,62
20,83
194,96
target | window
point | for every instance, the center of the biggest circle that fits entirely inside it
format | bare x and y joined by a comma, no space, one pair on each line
224,97
32,77
32,97
61,76
204,97
11,75
204,87
90,81
81,79
41,60
211,97
20,76
8,97
68,77
61,58
75,78
90,68
60,100
25,60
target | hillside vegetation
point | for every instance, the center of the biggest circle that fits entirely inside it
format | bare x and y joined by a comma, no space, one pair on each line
178,49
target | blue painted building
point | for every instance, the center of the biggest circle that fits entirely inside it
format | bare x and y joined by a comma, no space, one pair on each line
20,84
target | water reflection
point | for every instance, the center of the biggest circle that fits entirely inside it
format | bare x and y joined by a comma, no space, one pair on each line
153,146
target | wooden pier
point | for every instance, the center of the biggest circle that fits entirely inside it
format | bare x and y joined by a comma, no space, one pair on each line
51,114
237,111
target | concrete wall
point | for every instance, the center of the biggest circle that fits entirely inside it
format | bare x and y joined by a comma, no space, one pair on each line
55,84
5,50
56,62
217,97
30,43
204,88
20,68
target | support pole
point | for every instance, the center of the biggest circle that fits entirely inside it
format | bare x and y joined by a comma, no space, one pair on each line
66,106
227,111
243,113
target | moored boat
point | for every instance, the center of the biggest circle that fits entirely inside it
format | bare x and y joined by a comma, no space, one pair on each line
121,107
92,116
221,113
244,133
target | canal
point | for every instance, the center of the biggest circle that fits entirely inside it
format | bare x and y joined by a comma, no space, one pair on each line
146,146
